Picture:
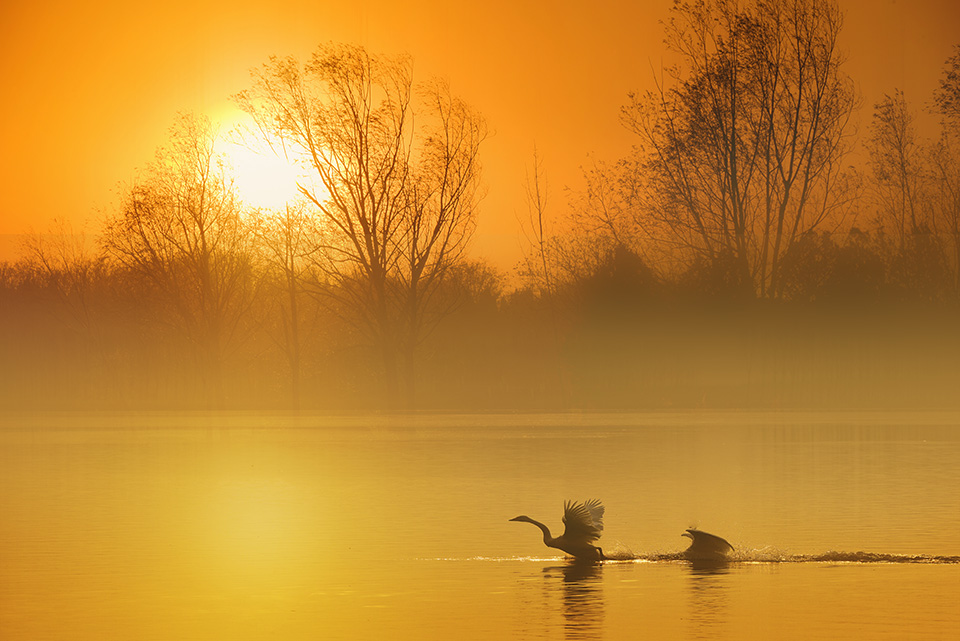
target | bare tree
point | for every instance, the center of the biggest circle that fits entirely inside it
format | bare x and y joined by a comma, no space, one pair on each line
945,162
947,97
607,216
743,150
289,241
945,197
536,230
443,195
396,201
897,161
66,261
607,204
180,229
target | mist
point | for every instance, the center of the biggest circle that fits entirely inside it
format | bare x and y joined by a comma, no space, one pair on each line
753,249
612,341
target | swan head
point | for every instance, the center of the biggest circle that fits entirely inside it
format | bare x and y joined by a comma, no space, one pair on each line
522,517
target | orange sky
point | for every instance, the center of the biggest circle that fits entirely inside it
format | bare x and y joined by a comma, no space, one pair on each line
89,89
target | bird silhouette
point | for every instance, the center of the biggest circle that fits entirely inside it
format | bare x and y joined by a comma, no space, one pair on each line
583,525
706,547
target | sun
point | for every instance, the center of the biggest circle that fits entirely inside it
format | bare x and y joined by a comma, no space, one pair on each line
263,178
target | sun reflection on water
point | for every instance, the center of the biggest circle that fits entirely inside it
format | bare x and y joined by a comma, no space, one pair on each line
255,519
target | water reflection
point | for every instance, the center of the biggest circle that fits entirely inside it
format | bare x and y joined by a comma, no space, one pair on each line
200,533
706,566
581,589
708,608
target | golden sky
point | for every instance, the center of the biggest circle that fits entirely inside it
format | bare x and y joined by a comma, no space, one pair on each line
90,88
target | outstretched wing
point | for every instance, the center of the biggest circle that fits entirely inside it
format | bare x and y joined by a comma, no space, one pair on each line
583,521
704,541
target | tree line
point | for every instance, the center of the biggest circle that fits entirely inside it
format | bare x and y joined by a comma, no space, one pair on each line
742,175
734,257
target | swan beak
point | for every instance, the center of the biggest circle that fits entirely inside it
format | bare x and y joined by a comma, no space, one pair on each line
688,535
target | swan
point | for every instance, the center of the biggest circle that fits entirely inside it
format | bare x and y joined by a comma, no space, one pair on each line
583,524
705,546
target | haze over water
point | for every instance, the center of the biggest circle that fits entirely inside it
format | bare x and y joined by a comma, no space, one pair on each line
253,526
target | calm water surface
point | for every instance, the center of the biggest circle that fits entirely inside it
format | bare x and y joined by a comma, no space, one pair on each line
265,527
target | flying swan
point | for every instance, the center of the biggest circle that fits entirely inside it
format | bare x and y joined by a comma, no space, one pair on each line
583,525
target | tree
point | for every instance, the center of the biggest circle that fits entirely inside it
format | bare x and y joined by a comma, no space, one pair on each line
441,216
537,265
743,153
904,184
396,172
897,162
945,162
289,241
606,219
66,262
947,97
607,206
179,228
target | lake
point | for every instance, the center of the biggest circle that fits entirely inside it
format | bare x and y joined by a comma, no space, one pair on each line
249,526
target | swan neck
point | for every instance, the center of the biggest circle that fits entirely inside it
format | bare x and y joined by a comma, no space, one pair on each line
546,531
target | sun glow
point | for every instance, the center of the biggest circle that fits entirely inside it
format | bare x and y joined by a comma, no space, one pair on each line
263,178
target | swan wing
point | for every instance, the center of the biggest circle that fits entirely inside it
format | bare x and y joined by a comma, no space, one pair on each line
704,542
583,521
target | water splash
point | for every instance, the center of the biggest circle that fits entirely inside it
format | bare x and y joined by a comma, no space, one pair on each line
758,556
619,552
872,557
770,555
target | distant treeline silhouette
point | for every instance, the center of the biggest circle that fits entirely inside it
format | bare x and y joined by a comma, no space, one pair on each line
98,336
733,259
